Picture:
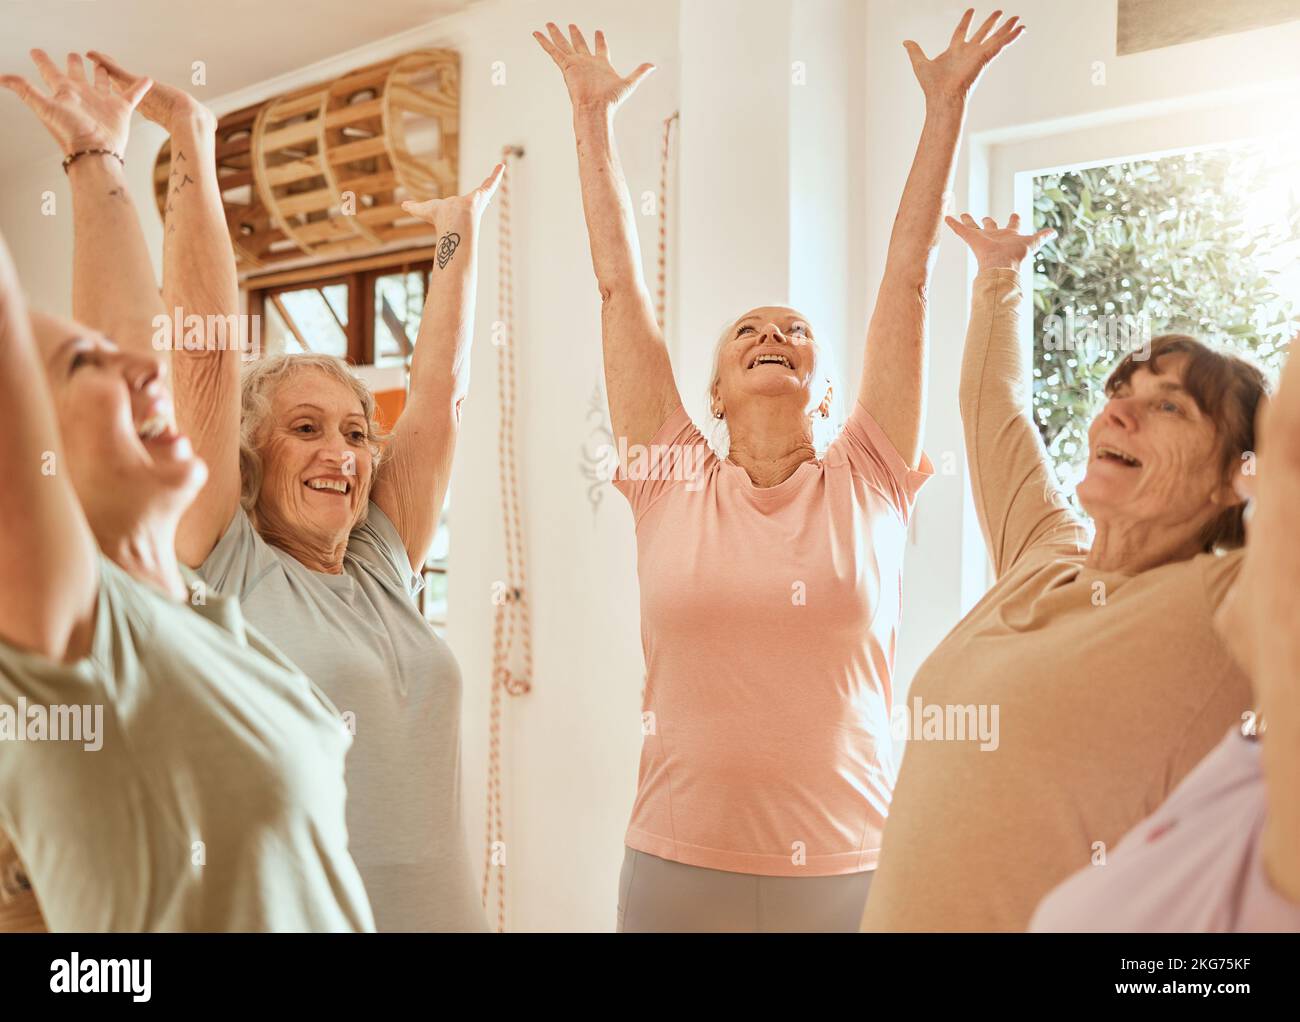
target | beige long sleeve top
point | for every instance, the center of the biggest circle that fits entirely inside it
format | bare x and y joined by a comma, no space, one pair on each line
1105,688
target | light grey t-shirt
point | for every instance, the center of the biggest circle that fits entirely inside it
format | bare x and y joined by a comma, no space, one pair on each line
361,638
196,782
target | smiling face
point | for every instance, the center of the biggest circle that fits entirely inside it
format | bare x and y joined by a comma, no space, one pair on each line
1155,456
768,353
316,459
121,448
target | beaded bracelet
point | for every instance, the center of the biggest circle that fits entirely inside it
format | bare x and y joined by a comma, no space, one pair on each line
91,152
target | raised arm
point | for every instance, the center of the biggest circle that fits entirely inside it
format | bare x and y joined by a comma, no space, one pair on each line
638,376
113,285
199,279
894,363
1271,600
47,554
1016,495
413,476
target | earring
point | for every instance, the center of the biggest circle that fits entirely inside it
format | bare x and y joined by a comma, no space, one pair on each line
718,414
825,407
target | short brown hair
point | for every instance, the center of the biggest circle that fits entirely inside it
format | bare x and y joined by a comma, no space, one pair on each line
1227,389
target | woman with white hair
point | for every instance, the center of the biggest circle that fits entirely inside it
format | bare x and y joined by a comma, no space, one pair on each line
321,526
770,579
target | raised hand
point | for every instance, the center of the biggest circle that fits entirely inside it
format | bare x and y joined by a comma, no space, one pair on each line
591,79
163,104
998,247
79,113
954,72
443,212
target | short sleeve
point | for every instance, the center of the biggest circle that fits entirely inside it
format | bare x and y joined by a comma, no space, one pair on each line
678,455
871,456
240,560
377,544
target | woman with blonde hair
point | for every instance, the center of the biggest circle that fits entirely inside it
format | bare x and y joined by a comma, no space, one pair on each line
177,772
770,580
321,527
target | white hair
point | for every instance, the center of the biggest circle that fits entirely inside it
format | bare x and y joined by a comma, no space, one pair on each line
824,429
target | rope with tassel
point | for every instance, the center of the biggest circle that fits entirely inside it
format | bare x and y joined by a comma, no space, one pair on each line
512,621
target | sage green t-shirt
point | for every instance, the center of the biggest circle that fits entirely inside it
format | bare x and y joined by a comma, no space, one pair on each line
184,775
360,636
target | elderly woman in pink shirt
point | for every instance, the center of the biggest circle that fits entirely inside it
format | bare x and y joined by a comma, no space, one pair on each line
1222,854
770,578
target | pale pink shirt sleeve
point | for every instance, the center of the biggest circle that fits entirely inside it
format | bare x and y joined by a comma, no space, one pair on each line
872,457
677,454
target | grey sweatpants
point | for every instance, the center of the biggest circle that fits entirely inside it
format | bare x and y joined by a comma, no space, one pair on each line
660,896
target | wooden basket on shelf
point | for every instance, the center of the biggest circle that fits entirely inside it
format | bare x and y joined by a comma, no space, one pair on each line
321,172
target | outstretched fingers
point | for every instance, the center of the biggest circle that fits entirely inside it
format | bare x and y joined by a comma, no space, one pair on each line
959,33
1002,40
122,78
634,79
962,230
557,37
490,184
578,40
982,32
23,89
602,47
48,70
76,69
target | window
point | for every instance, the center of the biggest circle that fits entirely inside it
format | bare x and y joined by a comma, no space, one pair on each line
1203,242
369,316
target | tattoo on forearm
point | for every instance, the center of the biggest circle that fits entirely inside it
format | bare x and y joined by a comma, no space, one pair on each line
117,193
186,181
447,249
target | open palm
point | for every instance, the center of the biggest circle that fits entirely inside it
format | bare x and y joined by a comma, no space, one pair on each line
954,72
591,79
79,113
998,247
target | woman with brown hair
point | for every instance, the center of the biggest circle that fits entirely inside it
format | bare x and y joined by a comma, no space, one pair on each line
1097,651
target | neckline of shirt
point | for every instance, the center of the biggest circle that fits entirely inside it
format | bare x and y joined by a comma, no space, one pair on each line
785,485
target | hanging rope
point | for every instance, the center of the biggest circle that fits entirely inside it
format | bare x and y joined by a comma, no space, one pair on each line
512,622
661,294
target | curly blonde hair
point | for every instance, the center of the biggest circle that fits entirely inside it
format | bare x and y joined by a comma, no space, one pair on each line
257,390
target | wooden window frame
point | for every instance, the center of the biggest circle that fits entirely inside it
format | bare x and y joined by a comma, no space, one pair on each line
360,276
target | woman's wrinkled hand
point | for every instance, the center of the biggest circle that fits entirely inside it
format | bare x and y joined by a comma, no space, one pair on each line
953,73
998,247
163,104
79,112
591,79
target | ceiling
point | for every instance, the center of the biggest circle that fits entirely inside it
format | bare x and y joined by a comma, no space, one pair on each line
241,42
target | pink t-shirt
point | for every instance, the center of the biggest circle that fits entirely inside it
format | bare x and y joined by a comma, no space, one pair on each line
768,620
1193,866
